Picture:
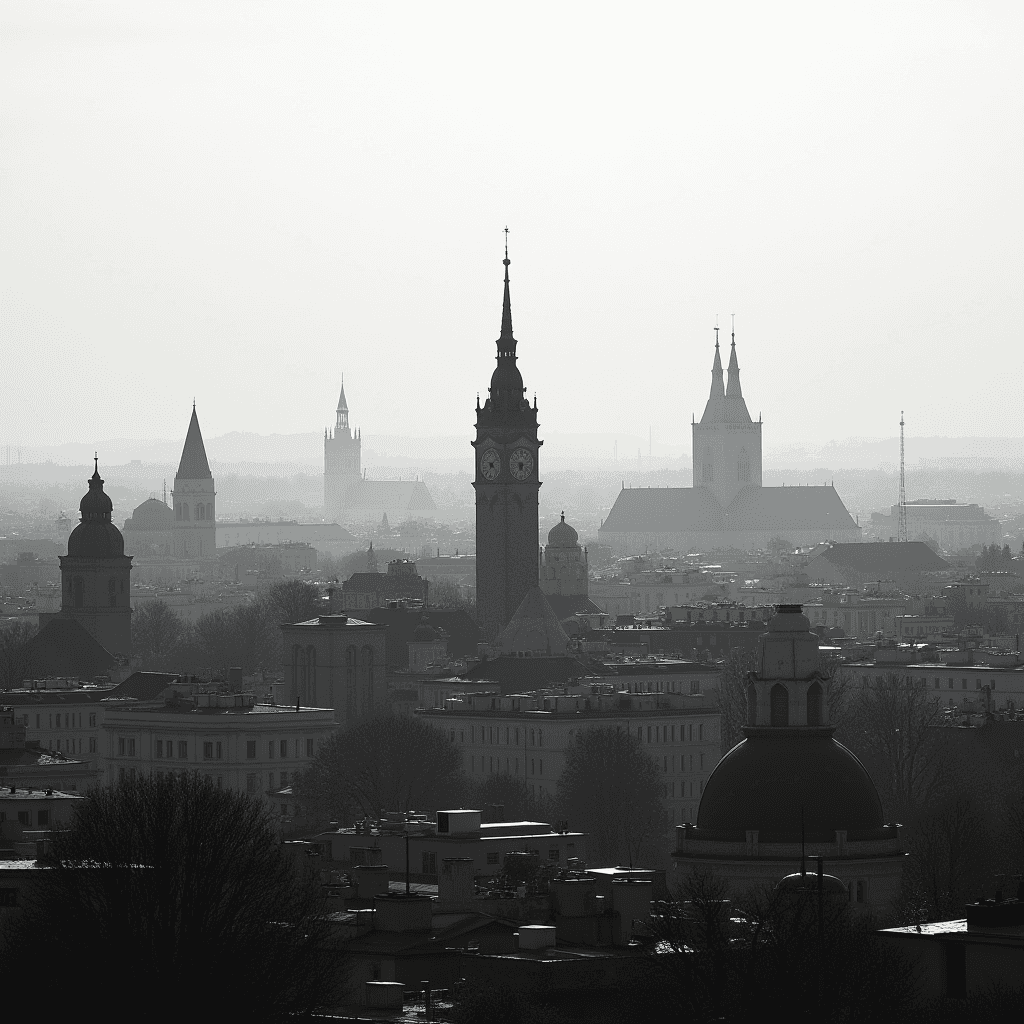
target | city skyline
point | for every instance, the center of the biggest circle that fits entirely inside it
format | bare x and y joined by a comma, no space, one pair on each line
257,208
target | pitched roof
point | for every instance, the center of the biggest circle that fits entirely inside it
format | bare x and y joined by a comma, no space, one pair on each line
410,495
144,685
194,464
533,628
752,510
462,632
565,606
882,557
64,647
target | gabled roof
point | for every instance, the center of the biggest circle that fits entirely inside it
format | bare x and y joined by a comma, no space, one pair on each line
664,510
534,628
788,508
144,685
879,558
566,606
64,647
194,464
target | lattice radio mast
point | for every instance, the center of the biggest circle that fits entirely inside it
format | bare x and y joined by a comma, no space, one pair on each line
901,530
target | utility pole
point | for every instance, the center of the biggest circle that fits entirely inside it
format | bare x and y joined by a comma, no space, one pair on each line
901,529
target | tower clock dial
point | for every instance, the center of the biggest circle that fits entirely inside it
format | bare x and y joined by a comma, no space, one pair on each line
490,464
520,463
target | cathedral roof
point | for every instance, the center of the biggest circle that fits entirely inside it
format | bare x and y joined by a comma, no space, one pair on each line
879,558
342,404
752,510
534,629
194,464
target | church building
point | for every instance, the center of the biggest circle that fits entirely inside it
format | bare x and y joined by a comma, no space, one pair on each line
507,484
349,497
193,499
728,506
564,578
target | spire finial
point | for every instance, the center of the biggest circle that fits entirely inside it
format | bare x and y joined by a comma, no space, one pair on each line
96,458
506,245
716,330
506,342
734,330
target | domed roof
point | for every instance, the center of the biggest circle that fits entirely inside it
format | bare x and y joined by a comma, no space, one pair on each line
96,536
152,514
562,535
424,632
765,781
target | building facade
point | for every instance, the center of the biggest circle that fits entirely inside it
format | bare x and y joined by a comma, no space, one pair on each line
507,484
336,661
194,499
528,736
342,460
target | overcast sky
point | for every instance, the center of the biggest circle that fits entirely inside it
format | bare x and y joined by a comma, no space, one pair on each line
240,202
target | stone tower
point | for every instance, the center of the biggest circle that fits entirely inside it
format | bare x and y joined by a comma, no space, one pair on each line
507,484
342,458
194,499
726,442
96,574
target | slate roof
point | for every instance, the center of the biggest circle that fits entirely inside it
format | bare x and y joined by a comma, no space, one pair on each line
194,465
566,606
534,627
144,685
882,557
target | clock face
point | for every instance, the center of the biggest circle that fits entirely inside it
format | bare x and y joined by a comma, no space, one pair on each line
490,464
520,463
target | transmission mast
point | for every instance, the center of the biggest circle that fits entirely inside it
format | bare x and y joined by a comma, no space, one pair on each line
901,530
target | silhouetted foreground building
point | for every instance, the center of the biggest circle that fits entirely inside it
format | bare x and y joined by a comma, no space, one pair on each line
727,507
564,578
789,788
507,484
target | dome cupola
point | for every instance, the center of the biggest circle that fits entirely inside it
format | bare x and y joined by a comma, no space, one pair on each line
562,535
96,536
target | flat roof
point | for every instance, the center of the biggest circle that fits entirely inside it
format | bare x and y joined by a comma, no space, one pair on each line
37,794
187,708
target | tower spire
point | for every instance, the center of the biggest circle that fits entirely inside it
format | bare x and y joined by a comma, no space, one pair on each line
717,376
734,390
506,344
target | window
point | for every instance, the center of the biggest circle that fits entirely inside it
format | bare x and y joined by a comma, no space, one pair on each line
43,817
779,704
284,748
250,749
92,744
700,733
183,748
23,818
492,857
542,766
271,748
861,891
964,684
120,747
430,863
553,854
284,779
309,745
533,767
814,704
92,720
159,748
220,751
208,750
8,897
252,783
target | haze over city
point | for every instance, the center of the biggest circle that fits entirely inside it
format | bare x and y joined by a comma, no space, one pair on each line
239,203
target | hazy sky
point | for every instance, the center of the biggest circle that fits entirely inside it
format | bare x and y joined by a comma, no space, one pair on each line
239,202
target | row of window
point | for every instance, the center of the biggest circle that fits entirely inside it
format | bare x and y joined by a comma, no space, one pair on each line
493,765
673,733
25,818
254,780
696,789
204,511
677,763
213,750
72,720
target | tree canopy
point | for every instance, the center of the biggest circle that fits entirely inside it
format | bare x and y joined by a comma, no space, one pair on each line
184,892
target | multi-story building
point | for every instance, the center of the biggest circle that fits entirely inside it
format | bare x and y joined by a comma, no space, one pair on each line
950,525
24,765
193,499
528,736
236,743
363,591
564,575
646,592
857,614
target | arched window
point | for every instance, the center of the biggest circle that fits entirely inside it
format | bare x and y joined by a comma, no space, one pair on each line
79,592
814,704
184,511
780,705
350,684
200,511
311,675
177,512
751,705
209,510
366,681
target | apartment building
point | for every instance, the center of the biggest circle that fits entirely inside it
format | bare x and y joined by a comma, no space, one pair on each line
528,736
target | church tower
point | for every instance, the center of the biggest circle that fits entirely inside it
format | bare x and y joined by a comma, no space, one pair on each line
96,574
342,457
507,485
726,442
194,499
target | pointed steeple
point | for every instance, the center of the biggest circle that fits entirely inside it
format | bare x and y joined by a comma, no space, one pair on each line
717,379
342,404
341,418
194,465
506,343
733,391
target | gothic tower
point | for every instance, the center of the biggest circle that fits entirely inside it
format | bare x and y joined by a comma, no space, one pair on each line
96,574
507,487
194,499
726,442
342,456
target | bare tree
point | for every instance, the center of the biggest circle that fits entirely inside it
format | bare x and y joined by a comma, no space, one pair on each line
294,601
157,633
187,890
612,789
15,653
388,763
732,695
513,795
891,727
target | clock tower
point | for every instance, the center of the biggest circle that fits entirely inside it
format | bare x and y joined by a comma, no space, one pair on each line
507,484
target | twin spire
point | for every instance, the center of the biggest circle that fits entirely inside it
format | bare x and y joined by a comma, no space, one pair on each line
718,386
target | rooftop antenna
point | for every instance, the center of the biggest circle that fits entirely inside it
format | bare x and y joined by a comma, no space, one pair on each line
901,529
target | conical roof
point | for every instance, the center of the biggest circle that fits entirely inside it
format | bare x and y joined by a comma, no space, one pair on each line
534,629
725,405
194,465
342,404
